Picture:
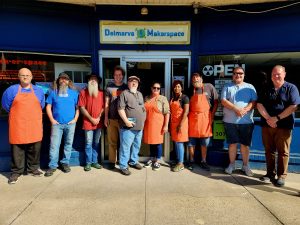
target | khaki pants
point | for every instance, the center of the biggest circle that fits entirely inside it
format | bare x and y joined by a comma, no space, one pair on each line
113,139
277,139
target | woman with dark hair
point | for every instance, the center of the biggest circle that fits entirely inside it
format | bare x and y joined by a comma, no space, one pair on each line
156,124
179,106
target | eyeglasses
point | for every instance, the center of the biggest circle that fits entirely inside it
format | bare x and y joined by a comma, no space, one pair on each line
238,73
156,88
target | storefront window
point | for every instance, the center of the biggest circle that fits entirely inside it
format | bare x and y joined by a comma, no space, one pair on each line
217,69
44,67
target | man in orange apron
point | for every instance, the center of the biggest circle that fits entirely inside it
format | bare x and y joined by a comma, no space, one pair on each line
203,105
24,103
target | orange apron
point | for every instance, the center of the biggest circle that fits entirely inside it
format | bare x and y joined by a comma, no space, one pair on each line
153,124
176,117
25,119
199,116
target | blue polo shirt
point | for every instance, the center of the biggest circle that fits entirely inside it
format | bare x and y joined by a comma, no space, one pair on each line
63,107
276,101
10,93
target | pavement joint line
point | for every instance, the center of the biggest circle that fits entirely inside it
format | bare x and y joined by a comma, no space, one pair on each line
146,180
34,198
240,183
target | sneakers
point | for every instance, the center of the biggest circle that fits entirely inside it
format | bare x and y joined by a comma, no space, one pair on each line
136,166
280,182
65,168
230,169
204,166
96,166
148,164
87,167
13,178
125,172
266,179
247,171
178,167
36,173
49,172
155,166
190,165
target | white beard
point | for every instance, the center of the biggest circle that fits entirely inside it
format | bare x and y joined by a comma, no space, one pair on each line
93,88
133,90
63,90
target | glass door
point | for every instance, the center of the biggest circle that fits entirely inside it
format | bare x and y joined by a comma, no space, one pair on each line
150,70
149,66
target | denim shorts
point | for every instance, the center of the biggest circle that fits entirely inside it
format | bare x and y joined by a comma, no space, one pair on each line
239,133
198,141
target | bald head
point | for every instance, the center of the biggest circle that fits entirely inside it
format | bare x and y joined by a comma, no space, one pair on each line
278,75
25,77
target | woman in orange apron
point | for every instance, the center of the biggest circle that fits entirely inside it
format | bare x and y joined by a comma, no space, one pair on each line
156,124
179,107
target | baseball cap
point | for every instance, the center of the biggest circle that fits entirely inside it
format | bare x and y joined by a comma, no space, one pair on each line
64,75
134,78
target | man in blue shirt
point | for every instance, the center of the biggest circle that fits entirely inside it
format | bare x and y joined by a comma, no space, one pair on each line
24,103
277,106
63,113
239,99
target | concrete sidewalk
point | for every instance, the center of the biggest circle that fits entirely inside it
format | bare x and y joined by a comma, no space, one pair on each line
148,197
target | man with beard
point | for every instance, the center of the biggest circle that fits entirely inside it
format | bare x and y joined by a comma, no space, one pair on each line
203,105
133,114
91,104
63,113
111,121
24,103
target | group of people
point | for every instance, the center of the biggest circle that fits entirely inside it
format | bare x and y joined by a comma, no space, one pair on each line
131,118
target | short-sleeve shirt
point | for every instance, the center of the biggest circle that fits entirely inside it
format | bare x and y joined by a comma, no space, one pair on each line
63,107
113,92
276,101
209,91
133,104
183,100
239,95
10,93
94,106
162,104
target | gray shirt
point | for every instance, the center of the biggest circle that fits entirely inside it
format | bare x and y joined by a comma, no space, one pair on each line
133,104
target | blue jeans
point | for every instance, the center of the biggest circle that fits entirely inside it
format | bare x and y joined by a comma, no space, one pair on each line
57,131
92,139
130,143
179,148
155,151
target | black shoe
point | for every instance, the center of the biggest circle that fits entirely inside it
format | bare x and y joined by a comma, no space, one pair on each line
13,178
111,166
266,179
280,182
156,166
136,166
190,166
36,173
65,168
49,172
204,166
125,172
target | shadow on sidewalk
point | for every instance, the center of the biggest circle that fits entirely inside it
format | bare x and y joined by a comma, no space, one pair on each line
238,177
